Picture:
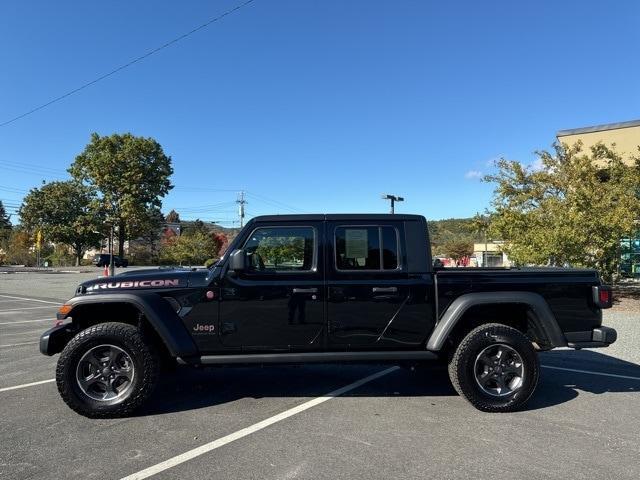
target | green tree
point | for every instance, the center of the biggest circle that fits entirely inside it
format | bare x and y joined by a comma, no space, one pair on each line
480,227
131,175
194,247
5,224
64,212
574,209
145,236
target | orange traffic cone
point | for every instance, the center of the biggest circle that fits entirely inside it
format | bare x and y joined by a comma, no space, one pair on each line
106,271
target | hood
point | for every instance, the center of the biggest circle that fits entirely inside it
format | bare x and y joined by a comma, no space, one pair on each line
146,279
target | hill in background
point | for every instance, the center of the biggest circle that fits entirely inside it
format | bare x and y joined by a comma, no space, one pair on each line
450,230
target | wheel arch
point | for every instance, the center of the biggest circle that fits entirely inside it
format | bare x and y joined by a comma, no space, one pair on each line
532,316
150,311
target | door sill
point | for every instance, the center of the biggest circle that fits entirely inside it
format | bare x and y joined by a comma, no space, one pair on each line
308,357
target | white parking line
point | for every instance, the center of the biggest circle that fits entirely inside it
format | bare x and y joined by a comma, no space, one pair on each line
18,344
591,373
29,321
30,299
207,447
16,387
15,334
18,310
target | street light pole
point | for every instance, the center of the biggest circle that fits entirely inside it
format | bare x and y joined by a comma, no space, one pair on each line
393,199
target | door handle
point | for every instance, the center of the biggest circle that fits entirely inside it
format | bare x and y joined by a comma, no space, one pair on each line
385,289
305,290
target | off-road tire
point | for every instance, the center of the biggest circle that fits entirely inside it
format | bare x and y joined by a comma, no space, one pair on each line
462,367
146,366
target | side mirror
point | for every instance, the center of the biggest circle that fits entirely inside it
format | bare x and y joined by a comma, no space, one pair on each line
238,260
437,263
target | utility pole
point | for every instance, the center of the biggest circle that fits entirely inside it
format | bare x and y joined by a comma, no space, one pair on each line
241,203
393,199
112,266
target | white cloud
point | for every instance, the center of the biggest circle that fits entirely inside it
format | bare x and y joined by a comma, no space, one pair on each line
473,175
492,161
537,165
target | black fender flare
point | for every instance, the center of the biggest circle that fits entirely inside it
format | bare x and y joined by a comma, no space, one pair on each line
544,318
156,310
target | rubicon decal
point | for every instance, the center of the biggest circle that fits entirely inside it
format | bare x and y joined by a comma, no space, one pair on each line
136,284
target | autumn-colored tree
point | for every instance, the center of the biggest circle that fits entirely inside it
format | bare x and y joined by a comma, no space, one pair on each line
221,241
173,217
19,248
458,250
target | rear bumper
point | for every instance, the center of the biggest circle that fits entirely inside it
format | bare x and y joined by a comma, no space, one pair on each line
54,340
598,337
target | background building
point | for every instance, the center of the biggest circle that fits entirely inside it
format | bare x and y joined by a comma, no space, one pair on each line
490,254
626,136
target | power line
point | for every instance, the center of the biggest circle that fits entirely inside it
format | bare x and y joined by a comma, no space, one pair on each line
30,171
275,203
32,168
13,190
204,189
132,62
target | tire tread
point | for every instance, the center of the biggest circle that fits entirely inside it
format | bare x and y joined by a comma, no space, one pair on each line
130,336
457,372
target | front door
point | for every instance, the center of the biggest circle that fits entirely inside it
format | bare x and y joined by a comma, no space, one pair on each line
278,302
370,299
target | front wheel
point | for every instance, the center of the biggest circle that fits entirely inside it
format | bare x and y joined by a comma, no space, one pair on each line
495,368
107,370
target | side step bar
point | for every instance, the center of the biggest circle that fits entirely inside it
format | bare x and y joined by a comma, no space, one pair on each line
307,357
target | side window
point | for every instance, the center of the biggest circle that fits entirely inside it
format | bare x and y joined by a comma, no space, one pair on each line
357,248
366,248
281,249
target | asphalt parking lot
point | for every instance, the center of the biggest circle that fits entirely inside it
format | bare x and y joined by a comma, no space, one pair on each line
320,421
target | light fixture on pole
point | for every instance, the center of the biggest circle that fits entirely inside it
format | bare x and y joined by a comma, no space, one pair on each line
393,199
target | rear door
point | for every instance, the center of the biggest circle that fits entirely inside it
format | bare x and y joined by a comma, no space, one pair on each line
368,287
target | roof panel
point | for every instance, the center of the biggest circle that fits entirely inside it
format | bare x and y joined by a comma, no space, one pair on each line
598,128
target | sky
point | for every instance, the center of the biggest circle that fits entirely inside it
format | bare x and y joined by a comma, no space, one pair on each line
313,106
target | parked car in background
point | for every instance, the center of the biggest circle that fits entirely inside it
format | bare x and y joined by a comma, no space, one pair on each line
102,259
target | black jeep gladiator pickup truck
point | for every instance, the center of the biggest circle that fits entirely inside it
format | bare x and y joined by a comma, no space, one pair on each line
324,288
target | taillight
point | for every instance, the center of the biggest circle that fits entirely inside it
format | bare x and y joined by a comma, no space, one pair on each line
602,296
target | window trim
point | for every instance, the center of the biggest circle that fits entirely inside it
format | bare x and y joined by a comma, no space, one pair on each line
314,260
399,265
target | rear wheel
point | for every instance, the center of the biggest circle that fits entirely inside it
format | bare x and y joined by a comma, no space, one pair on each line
495,368
107,370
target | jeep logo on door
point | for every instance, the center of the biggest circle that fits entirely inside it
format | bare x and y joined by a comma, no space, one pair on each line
136,284
197,328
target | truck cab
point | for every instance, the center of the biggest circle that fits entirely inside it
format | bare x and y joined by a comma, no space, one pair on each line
335,282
